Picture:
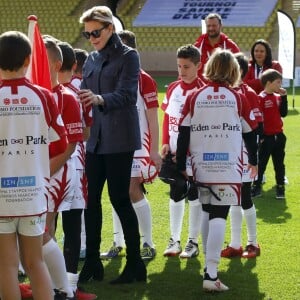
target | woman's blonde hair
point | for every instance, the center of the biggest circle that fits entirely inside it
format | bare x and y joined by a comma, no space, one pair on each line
222,67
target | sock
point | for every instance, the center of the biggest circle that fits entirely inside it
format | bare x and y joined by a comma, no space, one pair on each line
143,213
55,262
215,240
204,229
250,217
195,209
236,219
82,235
73,280
118,231
176,218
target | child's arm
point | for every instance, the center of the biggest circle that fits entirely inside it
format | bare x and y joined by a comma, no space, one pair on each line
57,162
165,136
283,107
152,119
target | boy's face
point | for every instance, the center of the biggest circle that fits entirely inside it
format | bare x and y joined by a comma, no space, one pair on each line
275,85
187,70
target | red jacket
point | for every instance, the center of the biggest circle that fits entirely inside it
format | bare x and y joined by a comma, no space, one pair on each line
206,49
253,80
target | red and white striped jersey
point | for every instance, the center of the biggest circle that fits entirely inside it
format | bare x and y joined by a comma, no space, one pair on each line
29,121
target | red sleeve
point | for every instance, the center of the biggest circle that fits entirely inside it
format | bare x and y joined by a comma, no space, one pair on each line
72,118
165,130
148,90
253,100
59,146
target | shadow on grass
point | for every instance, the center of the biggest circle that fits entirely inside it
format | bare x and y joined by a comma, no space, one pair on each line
180,279
271,210
104,290
242,275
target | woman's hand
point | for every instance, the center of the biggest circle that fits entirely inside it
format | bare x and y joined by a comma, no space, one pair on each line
87,97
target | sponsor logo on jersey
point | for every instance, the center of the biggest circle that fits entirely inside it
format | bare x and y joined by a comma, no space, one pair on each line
215,156
23,181
15,101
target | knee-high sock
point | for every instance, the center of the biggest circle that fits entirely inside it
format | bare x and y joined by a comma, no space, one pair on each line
118,231
195,209
176,218
55,262
250,217
236,219
215,240
73,281
204,229
143,213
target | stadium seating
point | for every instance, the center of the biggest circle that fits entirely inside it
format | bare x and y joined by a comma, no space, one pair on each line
170,38
56,18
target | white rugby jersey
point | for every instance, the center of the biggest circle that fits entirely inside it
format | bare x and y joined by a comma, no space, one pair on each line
217,117
29,120
147,98
173,103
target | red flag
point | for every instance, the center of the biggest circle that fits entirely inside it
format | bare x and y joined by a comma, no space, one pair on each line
38,70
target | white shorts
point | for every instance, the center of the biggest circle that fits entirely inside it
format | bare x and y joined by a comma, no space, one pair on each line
80,193
28,226
228,194
62,187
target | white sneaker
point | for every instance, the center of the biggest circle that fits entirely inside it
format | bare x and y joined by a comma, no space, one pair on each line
173,248
191,250
214,286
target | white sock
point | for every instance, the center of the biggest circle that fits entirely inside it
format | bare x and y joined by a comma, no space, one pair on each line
73,280
236,219
215,240
204,229
250,217
176,218
143,213
195,209
82,235
55,262
118,231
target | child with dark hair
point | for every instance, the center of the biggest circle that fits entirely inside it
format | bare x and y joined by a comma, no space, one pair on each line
80,55
29,121
188,63
274,106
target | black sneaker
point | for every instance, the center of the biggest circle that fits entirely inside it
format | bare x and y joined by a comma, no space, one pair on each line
255,191
280,194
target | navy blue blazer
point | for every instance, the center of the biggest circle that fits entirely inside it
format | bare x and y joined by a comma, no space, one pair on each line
113,73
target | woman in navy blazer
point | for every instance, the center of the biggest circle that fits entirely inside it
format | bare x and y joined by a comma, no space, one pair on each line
109,84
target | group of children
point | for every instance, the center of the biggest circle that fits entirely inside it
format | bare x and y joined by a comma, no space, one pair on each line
63,124
32,118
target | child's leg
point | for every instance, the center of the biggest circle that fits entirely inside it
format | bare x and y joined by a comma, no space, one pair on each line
32,259
30,237
278,155
9,262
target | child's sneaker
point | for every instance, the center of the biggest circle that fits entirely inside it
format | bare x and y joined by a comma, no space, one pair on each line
147,252
213,285
173,248
25,289
191,250
113,252
230,252
251,251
